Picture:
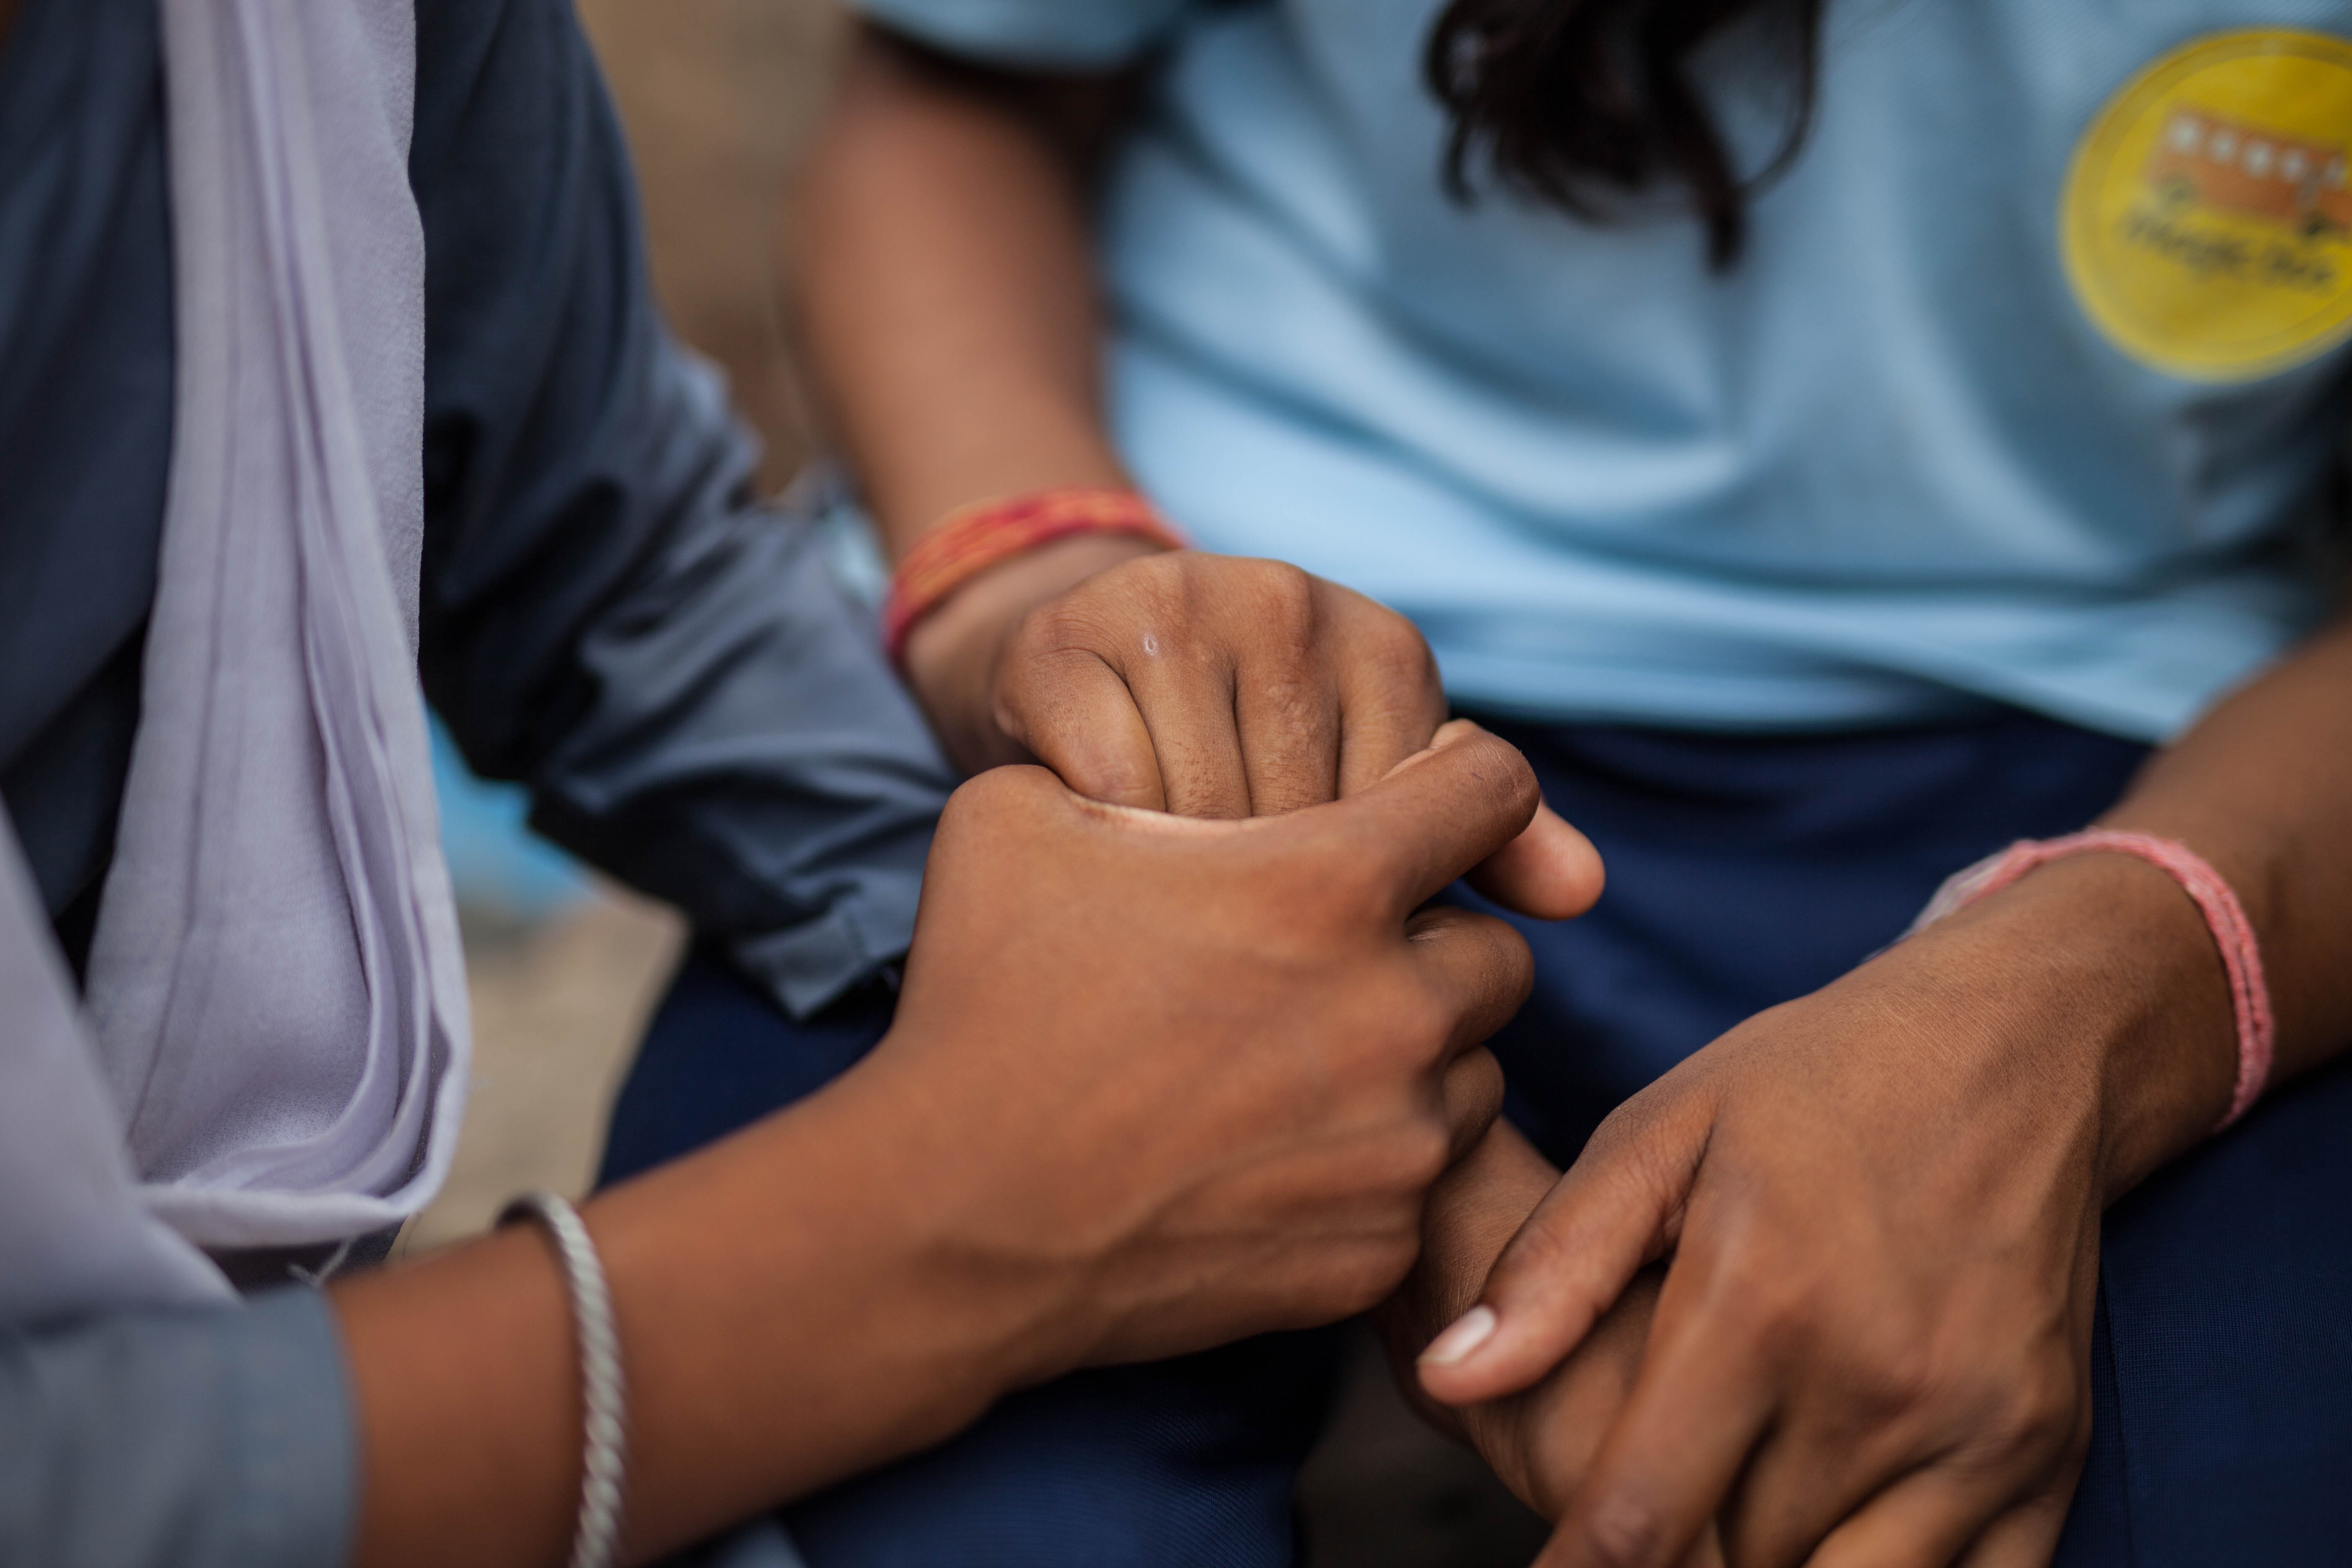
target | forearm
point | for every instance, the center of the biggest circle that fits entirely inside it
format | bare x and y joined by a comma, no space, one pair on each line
949,286
953,317
791,1311
2261,788
2105,955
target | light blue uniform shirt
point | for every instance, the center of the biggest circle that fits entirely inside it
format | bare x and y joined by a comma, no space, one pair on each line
1885,469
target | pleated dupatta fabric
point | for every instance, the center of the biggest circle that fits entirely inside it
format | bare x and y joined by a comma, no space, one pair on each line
275,1045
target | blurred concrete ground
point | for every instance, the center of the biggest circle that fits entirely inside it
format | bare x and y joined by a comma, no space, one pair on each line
719,96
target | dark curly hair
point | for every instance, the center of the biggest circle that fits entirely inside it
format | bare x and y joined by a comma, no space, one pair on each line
1578,101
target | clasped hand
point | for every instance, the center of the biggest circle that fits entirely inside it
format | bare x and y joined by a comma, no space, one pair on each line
1824,1294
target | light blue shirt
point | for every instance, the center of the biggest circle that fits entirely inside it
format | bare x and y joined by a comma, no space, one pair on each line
1887,468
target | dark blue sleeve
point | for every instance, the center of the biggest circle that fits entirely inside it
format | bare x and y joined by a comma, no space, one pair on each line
608,615
201,1438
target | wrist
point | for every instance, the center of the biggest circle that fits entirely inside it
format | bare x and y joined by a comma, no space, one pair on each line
2103,959
794,1308
951,656
952,1197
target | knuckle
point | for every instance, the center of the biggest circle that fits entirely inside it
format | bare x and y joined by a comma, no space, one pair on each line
1781,1310
1394,646
1422,1020
1073,621
2035,1417
985,799
1121,781
1164,582
1902,1379
1283,593
1626,1532
2031,1419
1422,1154
1477,1084
1364,1277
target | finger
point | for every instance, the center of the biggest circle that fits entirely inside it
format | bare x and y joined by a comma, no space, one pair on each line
1601,1222
1076,716
1477,964
1472,1094
1552,1434
1932,1518
2024,1537
1286,719
1702,1398
1549,872
1187,701
1391,699
1437,814
1807,1476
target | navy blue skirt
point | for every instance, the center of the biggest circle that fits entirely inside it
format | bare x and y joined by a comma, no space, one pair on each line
1743,872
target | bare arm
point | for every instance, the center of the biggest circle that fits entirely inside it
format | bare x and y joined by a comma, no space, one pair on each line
1123,1113
956,329
955,324
951,289
1881,1202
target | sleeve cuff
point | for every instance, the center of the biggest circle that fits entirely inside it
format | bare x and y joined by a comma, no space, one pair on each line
213,1437
806,968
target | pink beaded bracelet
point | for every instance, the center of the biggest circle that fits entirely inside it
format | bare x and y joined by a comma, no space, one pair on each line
2241,959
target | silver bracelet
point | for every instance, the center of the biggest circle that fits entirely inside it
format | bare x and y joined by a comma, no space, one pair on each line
596,1539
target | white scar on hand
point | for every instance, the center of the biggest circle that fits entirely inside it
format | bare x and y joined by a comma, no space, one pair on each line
1150,646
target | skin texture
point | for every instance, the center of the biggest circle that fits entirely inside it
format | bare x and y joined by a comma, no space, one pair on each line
1154,1084
1822,1294
1882,1201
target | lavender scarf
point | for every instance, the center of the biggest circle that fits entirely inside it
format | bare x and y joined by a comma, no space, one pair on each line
274,1044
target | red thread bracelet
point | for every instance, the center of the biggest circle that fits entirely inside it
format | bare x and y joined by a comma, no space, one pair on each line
2225,917
975,538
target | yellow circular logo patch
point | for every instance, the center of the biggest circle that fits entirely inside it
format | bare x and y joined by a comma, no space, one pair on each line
2208,216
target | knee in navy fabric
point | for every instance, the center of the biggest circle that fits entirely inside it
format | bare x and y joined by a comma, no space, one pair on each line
2224,1383
717,1055
1179,1464
1748,870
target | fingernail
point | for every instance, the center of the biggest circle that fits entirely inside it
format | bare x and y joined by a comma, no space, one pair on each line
1467,1333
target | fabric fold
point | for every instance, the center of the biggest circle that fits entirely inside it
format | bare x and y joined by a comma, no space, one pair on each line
276,986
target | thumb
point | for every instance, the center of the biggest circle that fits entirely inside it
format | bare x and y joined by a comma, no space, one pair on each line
1550,872
1436,815
1616,1210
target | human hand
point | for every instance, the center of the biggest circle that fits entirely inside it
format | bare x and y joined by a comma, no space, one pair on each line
1204,686
1540,1441
1180,681
1882,1208
1194,1076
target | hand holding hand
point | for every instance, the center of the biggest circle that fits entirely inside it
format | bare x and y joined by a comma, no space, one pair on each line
1196,1076
1882,1208
1203,686
1540,1441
